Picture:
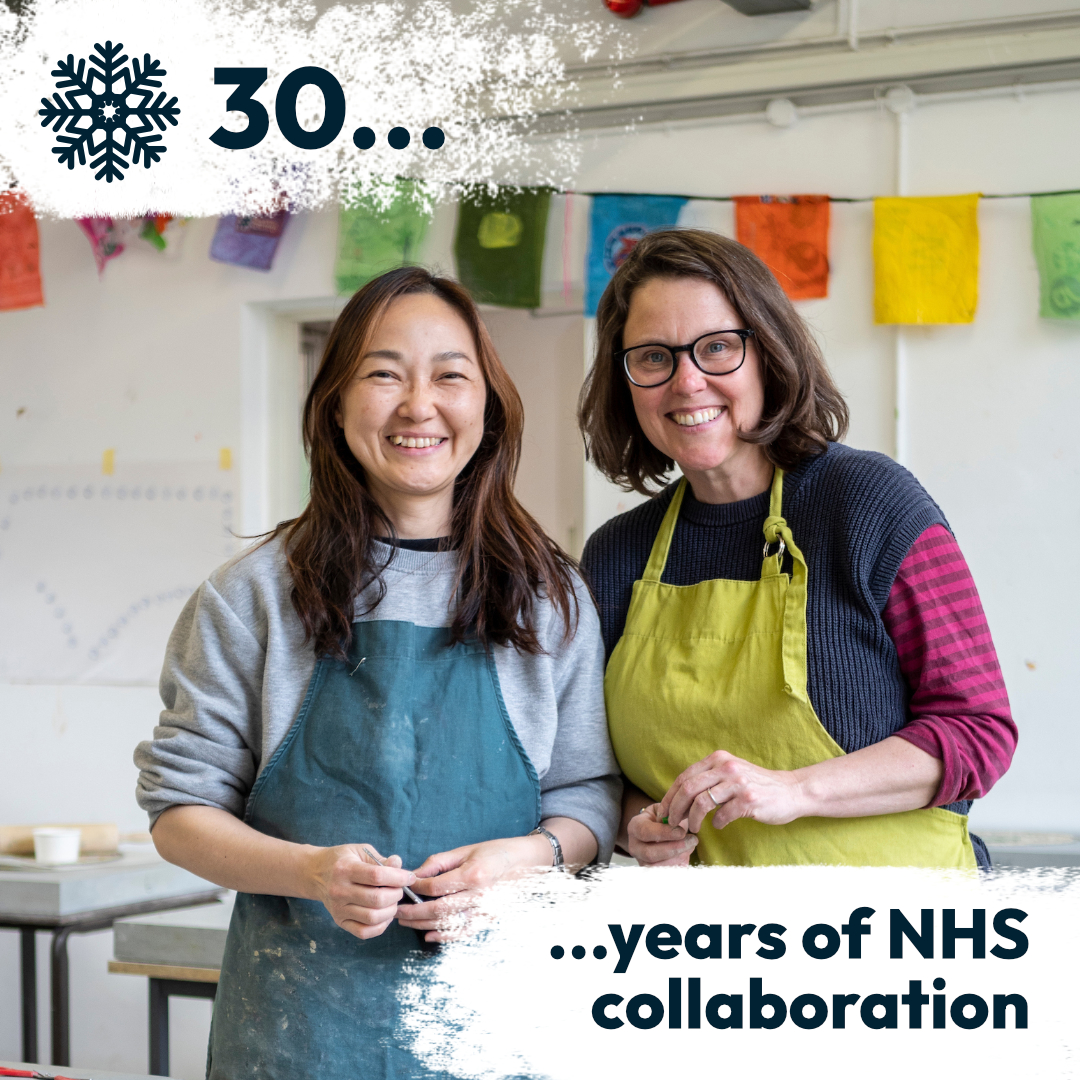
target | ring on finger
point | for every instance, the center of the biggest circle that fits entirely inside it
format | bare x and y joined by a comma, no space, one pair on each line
708,791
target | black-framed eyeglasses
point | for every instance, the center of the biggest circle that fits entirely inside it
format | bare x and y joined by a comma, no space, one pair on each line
717,353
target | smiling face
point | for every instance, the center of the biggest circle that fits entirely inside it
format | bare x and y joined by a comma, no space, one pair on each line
413,412
695,418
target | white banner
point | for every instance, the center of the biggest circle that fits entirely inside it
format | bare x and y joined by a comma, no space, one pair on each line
197,107
773,972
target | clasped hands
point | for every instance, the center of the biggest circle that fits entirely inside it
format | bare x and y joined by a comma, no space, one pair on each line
364,898
721,785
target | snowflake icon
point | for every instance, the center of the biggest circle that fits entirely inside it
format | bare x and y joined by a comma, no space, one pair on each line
109,110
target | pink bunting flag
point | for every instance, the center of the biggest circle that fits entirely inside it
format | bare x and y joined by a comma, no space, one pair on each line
104,237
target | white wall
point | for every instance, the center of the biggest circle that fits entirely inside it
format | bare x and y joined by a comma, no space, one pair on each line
542,352
148,360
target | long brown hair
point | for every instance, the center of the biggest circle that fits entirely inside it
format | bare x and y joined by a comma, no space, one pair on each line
506,560
804,411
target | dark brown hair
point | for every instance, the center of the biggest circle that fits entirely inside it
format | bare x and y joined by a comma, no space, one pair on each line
803,410
506,560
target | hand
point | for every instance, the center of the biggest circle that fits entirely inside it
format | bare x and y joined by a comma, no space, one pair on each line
361,896
457,879
729,788
653,843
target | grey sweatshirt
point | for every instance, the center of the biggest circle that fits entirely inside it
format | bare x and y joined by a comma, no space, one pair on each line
237,667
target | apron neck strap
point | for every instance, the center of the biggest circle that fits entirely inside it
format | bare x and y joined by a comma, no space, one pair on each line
774,525
776,495
654,568
776,530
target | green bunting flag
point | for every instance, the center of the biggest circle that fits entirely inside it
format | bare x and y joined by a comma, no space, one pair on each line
499,245
1055,234
372,240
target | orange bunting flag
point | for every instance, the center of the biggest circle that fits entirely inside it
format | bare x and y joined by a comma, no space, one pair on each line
20,276
790,234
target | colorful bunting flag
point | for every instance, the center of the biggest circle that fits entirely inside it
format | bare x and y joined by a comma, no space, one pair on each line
152,230
20,275
373,240
248,241
1055,235
617,223
790,234
105,239
926,259
499,245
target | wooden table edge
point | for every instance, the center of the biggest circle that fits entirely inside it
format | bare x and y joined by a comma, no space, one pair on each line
165,971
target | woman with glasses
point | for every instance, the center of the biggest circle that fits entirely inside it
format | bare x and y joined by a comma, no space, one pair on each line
799,667
393,702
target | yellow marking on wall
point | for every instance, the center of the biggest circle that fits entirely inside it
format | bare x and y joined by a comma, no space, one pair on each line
225,458
108,462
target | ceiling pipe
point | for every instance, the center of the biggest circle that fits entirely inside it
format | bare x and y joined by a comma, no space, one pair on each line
848,35
853,25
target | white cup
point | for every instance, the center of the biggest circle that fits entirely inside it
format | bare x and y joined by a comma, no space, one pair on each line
56,846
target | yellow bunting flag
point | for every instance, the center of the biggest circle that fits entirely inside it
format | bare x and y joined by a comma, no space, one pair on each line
926,259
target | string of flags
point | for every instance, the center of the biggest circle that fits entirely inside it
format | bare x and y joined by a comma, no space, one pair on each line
925,249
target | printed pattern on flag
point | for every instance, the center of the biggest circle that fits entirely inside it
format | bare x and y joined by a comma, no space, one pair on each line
499,245
616,224
790,234
248,241
373,240
20,273
926,259
1055,235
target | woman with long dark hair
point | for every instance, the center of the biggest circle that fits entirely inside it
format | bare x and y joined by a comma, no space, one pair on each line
800,669
391,703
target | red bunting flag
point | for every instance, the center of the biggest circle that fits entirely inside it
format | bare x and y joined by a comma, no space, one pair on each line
20,275
790,234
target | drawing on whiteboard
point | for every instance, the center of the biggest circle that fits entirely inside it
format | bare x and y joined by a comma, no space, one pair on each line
95,569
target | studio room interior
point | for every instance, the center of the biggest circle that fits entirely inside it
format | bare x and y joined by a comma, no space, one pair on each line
152,393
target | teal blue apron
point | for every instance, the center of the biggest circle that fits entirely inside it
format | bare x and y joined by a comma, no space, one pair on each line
406,746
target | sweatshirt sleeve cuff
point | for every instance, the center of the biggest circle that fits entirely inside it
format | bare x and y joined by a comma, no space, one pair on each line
595,803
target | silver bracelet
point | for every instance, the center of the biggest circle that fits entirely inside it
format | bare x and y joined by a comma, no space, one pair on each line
556,847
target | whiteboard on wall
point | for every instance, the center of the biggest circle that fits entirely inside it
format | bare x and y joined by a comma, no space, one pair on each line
95,569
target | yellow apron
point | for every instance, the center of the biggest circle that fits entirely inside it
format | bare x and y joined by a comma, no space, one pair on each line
721,665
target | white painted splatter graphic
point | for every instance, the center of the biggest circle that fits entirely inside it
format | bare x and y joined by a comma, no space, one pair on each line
477,75
502,1005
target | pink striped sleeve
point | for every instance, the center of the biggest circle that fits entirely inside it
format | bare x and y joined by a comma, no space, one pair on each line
959,709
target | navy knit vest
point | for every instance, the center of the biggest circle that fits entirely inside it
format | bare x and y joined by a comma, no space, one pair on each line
854,515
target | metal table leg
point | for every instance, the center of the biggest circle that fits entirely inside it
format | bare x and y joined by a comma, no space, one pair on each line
28,958
61,1015
159,1028
160,992
83,923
